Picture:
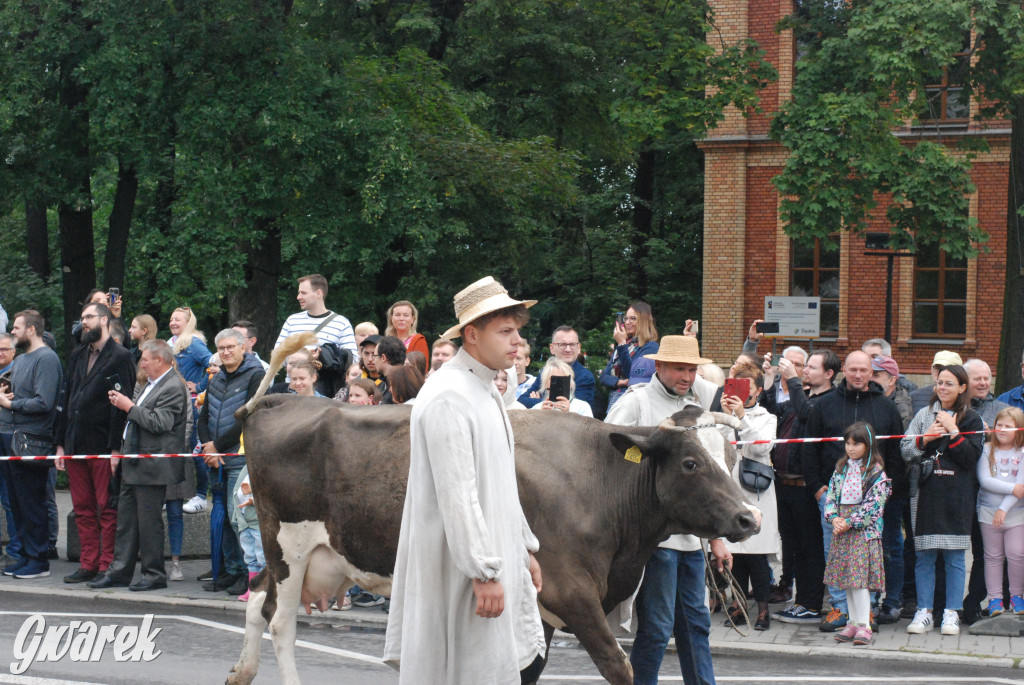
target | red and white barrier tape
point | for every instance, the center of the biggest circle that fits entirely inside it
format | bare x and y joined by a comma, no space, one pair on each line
52,457
788,441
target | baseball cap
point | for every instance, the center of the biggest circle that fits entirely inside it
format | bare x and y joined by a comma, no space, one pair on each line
887,364
947,358
371,340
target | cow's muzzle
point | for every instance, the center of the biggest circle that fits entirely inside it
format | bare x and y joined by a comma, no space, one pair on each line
743,526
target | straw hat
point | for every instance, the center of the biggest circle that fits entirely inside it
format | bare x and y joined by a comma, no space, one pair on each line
678,349
475,300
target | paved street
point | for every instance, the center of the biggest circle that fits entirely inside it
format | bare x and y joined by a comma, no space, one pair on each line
199,645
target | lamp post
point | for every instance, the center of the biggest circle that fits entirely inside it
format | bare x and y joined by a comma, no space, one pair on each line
877,244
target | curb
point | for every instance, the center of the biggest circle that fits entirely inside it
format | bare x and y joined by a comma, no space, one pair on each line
357,617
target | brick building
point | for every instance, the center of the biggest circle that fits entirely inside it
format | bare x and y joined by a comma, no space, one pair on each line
938,302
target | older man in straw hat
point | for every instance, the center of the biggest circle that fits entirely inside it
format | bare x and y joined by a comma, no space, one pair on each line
464,600
671,597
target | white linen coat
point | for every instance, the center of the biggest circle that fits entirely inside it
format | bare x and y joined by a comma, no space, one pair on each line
758,424
462,521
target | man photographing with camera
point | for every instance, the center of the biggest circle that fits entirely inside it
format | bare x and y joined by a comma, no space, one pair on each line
90,425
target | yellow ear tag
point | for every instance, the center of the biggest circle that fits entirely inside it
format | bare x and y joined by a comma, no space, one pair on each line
633,454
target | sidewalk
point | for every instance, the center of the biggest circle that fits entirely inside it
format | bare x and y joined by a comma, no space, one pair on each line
891,642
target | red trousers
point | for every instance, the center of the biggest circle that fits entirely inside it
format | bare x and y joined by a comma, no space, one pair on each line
89,481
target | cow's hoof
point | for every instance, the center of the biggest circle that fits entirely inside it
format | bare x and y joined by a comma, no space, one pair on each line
239,677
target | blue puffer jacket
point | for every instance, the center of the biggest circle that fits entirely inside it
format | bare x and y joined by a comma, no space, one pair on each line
226,394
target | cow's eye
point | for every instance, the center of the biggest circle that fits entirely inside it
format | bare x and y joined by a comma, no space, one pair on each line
690,465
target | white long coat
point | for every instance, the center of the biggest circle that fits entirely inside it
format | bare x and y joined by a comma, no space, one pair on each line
758,424
462,521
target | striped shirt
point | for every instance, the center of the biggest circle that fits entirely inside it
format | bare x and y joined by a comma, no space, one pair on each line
338,331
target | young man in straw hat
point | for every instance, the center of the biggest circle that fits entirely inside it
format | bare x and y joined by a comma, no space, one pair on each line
464,601
674,575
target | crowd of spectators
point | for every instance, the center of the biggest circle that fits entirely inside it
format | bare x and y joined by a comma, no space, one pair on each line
953,484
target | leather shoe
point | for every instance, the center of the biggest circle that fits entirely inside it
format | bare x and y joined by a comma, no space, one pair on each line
223,582
146,584
206,576
81,575
239,587
105,581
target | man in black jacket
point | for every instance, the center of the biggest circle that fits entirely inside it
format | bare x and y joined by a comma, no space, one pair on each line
235,384
856,398
89,424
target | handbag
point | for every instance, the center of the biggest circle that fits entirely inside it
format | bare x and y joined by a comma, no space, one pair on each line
755,476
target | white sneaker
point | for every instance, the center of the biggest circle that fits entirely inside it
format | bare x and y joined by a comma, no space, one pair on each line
194,505
922,622
175,572
950,622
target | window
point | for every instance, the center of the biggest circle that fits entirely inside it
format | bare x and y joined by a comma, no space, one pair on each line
947,100
940,294
815,273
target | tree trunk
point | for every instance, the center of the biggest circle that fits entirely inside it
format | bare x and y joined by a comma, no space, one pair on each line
119,225
447,13
643,214
37,238
1009,374
257,299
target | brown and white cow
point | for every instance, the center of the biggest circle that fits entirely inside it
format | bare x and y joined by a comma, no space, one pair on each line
329,482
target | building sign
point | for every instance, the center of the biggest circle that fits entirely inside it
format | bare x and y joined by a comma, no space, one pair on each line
798,317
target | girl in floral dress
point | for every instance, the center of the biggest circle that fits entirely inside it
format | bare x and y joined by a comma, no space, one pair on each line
856,496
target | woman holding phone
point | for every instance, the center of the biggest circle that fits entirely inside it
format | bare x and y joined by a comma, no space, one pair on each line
557,386
942,511
635,335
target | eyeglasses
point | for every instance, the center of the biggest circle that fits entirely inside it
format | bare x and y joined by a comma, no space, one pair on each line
6,349
90,316
227,348
566,346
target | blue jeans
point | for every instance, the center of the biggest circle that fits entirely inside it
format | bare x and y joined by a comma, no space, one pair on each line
892,552
671,600
252,548
837,596
175,525
234,560
956,574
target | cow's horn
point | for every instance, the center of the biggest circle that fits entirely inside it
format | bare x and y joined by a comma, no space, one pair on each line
292,344
727,419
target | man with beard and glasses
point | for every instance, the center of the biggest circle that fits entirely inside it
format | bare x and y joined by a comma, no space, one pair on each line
89,424
28,408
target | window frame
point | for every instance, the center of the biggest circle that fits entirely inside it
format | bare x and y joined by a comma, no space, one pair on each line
816,269
940,300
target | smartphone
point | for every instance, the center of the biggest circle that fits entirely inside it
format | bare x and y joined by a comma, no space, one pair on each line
113,295
767,327
737,387
559,388
620,319
693,327
775,359
114,383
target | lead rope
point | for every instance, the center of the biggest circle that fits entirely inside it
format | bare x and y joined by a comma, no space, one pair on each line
730,585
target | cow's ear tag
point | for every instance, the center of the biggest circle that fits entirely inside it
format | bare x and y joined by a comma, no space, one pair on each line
633,454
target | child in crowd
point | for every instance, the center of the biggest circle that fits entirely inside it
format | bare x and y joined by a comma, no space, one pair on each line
244,518
363,391
355,371
1001,509
856,496
363,331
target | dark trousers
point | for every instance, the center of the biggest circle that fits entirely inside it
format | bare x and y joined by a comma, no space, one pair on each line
909,558
799,520
140,533
26,487
753,568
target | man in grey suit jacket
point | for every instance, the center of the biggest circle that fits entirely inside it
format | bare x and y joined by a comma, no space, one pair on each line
156,425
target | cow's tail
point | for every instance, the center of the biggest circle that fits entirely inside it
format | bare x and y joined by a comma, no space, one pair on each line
292,344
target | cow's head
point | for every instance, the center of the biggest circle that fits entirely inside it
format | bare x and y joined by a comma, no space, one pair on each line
696,493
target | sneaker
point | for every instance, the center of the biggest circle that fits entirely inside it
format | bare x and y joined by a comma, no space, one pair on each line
863,636
995,606
194,505
950,622
846,634
33,569
11,569
922,622
779,594
798,614
175,572
833,622
1017,604
206,576
344,605
367,599
887,615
